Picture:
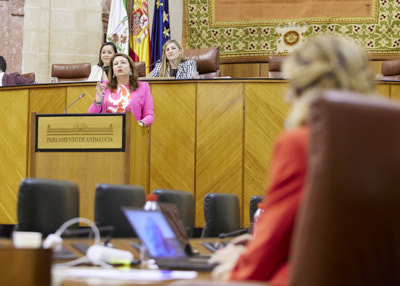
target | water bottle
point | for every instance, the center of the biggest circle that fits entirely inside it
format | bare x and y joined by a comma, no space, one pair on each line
256,217
150,205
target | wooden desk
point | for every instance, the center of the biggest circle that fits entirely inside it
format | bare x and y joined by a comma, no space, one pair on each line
207,136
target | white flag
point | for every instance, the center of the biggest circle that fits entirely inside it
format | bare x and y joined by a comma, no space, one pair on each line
118,28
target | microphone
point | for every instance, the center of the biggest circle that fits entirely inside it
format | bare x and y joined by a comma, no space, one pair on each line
149,66
82,95
233,233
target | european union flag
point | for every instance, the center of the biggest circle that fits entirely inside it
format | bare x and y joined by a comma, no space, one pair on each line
160,31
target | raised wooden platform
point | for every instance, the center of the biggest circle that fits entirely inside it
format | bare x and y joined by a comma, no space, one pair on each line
208,135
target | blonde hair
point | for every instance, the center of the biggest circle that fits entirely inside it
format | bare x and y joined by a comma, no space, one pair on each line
164,62
324,62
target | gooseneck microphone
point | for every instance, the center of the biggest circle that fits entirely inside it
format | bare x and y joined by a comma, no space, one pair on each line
149,66
233,233
82,95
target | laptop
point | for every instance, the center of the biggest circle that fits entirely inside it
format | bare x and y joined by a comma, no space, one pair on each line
161,242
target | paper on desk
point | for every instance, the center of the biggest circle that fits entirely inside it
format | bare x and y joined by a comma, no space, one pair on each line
127,274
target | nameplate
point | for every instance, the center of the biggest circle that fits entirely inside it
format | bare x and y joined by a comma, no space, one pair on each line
80,132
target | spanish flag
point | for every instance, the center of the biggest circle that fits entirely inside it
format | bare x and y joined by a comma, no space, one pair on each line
140,37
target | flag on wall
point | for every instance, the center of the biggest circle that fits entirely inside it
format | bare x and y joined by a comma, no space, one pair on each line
140,38
160,32
118,27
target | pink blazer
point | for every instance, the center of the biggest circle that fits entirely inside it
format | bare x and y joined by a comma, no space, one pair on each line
141,104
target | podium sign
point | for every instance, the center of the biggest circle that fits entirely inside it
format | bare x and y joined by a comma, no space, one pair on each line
80,132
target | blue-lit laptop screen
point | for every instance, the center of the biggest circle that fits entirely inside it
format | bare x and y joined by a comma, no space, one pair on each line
155,232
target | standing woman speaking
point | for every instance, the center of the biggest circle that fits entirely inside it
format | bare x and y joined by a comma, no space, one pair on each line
173,63
123,92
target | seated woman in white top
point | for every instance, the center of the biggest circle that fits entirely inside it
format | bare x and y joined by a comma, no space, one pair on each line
99,72
173,63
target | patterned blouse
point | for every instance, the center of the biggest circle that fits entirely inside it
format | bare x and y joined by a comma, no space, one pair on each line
119,101
186,70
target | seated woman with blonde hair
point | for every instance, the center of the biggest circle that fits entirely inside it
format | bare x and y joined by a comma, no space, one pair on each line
123,92
325,62
173,63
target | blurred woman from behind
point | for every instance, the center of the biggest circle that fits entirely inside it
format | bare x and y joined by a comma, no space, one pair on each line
173,63
123,92
100,71
325,62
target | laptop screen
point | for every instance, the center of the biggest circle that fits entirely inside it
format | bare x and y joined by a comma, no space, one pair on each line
154,232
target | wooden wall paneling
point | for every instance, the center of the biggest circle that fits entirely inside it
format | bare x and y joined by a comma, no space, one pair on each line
48,99
219,147
395,92
240,70
382,88
263,70
266,110
14,146
82,167
83,104
172,147
376,67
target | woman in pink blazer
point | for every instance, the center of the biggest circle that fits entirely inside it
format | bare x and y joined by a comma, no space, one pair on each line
123,92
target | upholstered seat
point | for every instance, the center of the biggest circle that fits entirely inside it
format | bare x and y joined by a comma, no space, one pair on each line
109,199
391,70
184,201
348,228
30,75
207,60
221,214
71,72
141,68
274,66
44,204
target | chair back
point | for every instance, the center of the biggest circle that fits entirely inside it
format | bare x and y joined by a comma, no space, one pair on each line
44,204
221,214
207,60
184,201
71,72
141,68
348,228
30,75
391,70
107,206
274,66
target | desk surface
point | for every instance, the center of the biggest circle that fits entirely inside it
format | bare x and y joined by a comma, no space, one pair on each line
58,277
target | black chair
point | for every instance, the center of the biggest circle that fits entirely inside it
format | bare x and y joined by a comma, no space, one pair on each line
44,204
184,201
107,206
221,214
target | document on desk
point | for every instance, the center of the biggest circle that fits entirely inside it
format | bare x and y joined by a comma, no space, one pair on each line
123,274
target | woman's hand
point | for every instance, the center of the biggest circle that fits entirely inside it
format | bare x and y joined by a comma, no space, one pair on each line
100,88
227,257
142,123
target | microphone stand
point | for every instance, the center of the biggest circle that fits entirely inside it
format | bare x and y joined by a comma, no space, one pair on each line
149,66
82,95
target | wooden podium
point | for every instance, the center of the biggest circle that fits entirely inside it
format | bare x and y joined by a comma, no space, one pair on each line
90,149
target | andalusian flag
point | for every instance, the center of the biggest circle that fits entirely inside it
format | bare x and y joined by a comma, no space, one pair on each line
118,27
140,38
160,32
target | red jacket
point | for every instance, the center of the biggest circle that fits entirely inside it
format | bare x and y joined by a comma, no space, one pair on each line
266,257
